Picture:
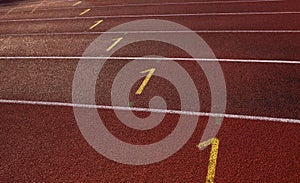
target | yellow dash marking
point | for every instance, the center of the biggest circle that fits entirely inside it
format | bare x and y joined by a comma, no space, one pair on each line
205,143
146,80
212,158
114,44
75,4
97,23
11,10
36,7
84,12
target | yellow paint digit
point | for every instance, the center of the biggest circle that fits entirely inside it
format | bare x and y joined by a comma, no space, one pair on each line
84,12
114,44
212,158
97,23
77,3
146,80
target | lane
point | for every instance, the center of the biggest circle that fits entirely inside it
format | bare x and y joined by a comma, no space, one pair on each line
55,151
224,45
252,89
277,6
128,3
235,22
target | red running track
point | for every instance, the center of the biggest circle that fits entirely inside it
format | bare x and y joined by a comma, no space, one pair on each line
44,143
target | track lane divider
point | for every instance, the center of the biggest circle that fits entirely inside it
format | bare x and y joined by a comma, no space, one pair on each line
164,111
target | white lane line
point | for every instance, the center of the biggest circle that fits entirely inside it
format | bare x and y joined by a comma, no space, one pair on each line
165,111
153,58
153,15
150,32
168,4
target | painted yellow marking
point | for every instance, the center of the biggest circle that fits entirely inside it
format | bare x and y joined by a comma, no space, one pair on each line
146,80
84,12
97,23
114,44
37,6
9,11
212,158
205,143
75,4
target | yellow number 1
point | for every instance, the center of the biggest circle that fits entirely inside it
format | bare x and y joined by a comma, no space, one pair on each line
212,158
146,80
114,44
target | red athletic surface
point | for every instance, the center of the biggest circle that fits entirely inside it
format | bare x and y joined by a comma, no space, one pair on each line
44,143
